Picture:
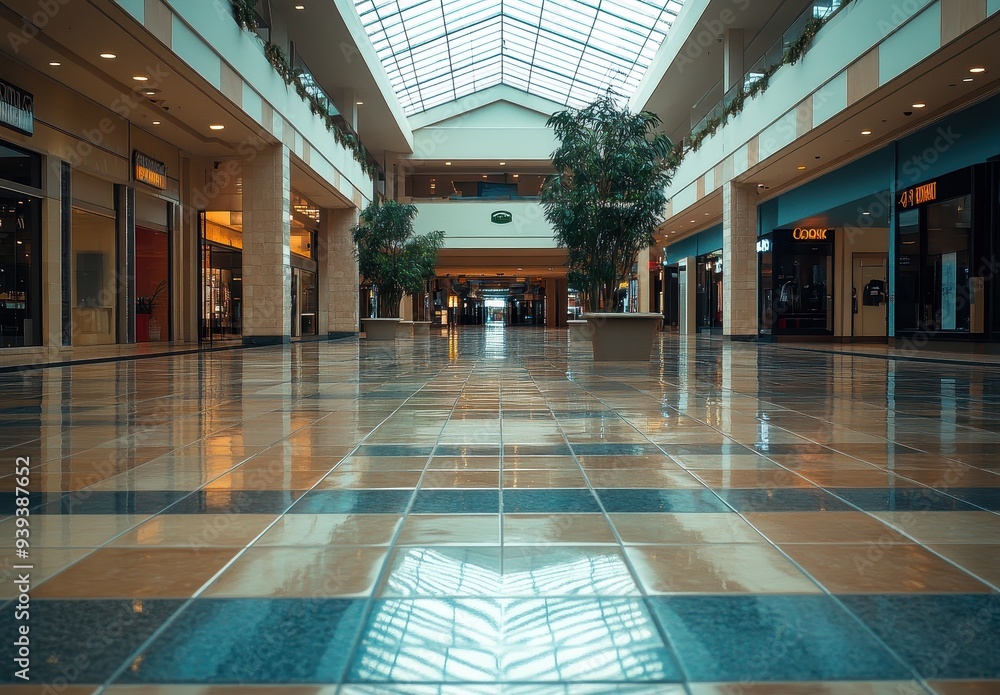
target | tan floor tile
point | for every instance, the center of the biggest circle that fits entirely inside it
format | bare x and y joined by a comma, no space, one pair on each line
823,527
871,568
46,562
464,463
195,531
331,530
814,462
369,480
300,461
693,529
300,572
216,690
137,573
49,690
450,529
72,531
632,478
741,479
806,688
957,476
542,529
965,687
726,461
381,464
946,527
460,479
853,478
518,462
717,569
251,479
649,462
560,478
980,560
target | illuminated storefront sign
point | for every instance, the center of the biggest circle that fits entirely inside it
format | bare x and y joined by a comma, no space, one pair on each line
149,171
918,195
763,246
17,108
501,217
804,234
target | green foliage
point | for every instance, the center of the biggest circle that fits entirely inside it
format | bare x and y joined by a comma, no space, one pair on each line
390,258
608,194
243,13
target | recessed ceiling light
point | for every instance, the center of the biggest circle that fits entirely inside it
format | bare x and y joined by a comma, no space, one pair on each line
300,7
866,132
139,78
447,164
503,163
516,175
54,63
693,221
108,56
919,105
801,167
359,103
156,123
977,70
865,213
707,214
217,126
968,79
484,176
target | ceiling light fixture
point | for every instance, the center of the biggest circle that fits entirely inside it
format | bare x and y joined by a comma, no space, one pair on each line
503,163
516,175
866,132
968,79
156,123
801,167
919,105
977,70
359,103
108,56
447,164
300,7
139,78
217,126
54,63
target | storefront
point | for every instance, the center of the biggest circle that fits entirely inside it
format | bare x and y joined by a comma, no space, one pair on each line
153,252
943,257
708,269
221,275
20,244
795,276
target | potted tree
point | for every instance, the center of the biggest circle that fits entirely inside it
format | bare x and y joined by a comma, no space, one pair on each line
604,202
392,260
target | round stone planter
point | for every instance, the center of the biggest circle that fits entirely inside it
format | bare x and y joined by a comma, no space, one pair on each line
623,337
380,329
579,330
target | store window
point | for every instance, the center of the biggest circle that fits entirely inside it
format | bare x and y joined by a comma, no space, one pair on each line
709,297
152,285
222,275
20,287
94,279
795,275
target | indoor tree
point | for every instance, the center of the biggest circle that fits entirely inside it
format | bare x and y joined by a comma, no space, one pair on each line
390,258
608,193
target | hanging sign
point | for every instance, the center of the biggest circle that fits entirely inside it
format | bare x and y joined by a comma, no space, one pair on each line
918,195
149,171
501,217
803,234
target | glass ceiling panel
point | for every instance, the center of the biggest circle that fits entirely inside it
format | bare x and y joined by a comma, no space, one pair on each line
569,51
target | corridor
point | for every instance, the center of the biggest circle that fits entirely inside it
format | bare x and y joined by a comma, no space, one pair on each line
490,512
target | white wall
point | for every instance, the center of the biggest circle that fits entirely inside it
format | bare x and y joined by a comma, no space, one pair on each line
467,224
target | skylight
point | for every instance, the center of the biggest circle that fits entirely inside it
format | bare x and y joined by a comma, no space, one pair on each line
567,51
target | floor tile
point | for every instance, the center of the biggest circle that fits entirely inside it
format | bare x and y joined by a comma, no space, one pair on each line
331,530
459,479
630,478
300,572
137,573
772,638
360,480
559,478
782,500
942,637
981,561
953,527
450,529
88,531
235,502
456,502
516,501
195,531
545,529
667,528
353,502
823,527
875,568
474,640
642,500
248,641
717,569
901,499
811,688
965,687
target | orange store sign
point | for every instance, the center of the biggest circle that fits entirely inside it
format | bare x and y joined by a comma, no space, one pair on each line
804,234
918,195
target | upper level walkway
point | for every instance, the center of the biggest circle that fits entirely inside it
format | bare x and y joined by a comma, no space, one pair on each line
488,511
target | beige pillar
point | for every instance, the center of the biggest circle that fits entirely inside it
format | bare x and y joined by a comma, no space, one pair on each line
338,273
687,290
732,59
556,302
642,268
50,257
739,256
267,273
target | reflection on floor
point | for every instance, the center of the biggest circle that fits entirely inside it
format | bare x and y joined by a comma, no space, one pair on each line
490,512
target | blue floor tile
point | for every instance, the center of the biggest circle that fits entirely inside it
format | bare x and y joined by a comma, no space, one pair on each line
550,501
901,499
393,450
783,500
615,449
706,449
526,640
108,502
249,641
941,636
536,450
617,500
772,638
236,502
353,502
984,497
457,502
463,450
81,641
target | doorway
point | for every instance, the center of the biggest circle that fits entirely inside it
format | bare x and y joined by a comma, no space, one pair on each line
870,289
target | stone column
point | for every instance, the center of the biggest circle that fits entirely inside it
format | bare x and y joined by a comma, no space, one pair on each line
338,273
642,268
267,273
556,302
687,290
732,58
739,256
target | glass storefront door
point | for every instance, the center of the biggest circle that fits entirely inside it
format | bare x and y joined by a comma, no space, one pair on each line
95,279
222,293
152,285
20,274
795,279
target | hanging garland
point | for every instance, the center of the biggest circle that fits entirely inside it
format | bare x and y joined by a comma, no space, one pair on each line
792,55
243,13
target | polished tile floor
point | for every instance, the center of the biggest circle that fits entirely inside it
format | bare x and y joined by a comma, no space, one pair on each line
490,512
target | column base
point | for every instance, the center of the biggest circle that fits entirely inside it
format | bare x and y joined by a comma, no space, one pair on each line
264,340
752,338
340,335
